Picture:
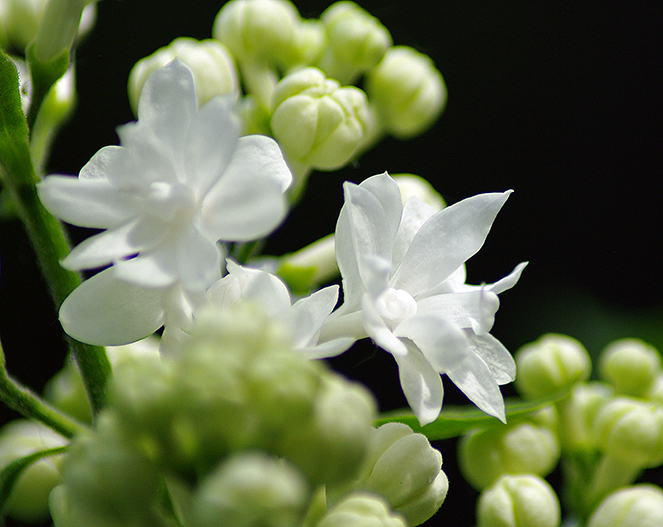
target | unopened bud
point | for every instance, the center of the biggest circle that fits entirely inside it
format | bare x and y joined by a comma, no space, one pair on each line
519,501
551,364
251,489
631,366
407,90
210,62
404,468
361,510
635,506
412,186
356,41
317,122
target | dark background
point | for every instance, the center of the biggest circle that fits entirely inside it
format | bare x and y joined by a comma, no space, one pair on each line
560,101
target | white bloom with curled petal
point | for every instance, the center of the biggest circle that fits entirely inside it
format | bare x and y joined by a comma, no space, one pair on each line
182,180
303,318
403,283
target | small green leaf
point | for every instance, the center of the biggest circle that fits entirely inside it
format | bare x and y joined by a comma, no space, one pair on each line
458,420
10,474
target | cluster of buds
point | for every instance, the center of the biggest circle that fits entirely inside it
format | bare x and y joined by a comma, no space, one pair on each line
606,432
299,79
238,429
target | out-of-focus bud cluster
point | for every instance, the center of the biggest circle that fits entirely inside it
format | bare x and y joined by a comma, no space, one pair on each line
240,430
300,79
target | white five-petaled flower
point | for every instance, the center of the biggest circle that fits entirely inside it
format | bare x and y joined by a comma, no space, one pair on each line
403,283
182,180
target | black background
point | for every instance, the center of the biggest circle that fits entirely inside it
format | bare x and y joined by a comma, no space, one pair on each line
558,100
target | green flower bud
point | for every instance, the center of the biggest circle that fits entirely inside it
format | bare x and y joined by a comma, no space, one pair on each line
404,468
577,413
407,91
631,430
518,501
107,480
212,66
412,186
361,510
20,21
521,448
655,392
309,42
251,490
258,30
66,391
636,506
317,122
551,364
356,41
631,366
330,444
311,266
28,501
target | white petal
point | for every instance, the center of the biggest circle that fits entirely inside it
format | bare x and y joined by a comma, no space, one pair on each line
325,350
475,309
353,287
441,341
211,140
106,311
155,268
114,244
310,313
247,202
198,260
476,381
415,214
377,329
508,281
368,223
388,193
498,359
91,203
445,241
421,385
167,103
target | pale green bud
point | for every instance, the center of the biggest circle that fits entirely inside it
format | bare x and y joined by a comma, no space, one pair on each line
28,501
631,366
60,24
309,42
251,489
655,392
636,506
258,30
66,391
356,41
330,444
20,21
213,68
413,186
577,414
521,448
361,510
631,430
551,364
407,91
107,480
404,468
519,501
316,121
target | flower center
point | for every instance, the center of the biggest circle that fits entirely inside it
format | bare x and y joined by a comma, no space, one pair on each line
168,201
395,305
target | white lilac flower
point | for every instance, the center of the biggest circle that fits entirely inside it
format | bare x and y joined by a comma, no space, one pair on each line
403,283
181,180
303,318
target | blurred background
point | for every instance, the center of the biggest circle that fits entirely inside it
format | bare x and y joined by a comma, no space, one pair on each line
560,101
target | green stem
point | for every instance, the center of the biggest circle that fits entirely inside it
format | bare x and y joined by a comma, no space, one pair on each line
28,404
45,232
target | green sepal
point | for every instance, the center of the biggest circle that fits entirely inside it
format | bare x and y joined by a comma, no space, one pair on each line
10,474
455,421
43,75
